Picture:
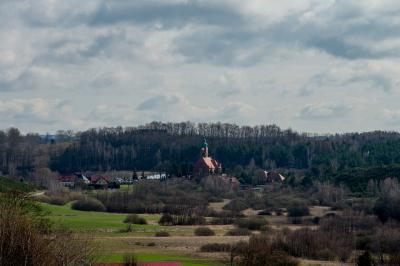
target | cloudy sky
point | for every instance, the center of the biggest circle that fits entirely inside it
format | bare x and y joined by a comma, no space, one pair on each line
312,65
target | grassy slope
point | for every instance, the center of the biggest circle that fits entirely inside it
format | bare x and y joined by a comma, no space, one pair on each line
7,184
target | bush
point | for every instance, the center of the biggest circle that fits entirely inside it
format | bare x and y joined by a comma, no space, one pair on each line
236,205
162,234
88,204
204,231
58,200
28,239
166,219
239,232
135,219
261,251
298,211
255,223
326,254
215,247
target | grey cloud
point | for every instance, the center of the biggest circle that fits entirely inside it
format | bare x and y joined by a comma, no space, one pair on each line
343,29
167,14
359,75
159,102
325,110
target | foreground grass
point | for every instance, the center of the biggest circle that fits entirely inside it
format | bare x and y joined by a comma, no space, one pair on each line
152,257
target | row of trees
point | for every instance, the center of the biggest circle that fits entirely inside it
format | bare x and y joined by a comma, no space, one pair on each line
174,147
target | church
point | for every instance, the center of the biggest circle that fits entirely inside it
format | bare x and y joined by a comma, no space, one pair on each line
206,165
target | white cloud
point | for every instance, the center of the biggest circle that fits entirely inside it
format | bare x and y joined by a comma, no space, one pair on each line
127,62
392,117
324,110
24,113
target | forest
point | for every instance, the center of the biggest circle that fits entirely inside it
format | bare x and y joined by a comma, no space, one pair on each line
174,147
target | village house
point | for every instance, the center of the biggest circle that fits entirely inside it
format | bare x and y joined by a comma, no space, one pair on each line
273,177
73,180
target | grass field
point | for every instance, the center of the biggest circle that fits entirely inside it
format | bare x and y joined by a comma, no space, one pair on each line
105,227
94,221
104,223
148,257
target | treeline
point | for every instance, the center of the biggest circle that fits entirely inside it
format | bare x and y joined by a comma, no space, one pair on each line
174,148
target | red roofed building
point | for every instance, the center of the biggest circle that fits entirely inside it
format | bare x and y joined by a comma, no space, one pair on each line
206,165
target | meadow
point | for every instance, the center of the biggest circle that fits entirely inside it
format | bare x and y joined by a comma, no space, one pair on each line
105,230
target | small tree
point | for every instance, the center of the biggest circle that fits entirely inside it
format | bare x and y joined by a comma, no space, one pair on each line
204,231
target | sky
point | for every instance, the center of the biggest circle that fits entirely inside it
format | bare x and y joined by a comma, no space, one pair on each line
321,66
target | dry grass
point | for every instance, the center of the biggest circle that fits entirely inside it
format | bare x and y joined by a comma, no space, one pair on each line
218,206
323,263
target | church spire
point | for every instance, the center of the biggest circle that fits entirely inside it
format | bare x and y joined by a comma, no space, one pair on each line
205,148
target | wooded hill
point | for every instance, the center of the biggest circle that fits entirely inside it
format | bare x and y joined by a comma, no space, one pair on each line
174,147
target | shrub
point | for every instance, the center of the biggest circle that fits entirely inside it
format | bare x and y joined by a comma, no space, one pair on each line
255,223
88,204
261,251
239,232
236,205
25,237
298,211
215,247
204,231
326,254
166,219
162,234
135,219
58,200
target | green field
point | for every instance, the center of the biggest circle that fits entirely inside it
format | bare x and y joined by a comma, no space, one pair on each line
104,228
110,224
151,257
94,221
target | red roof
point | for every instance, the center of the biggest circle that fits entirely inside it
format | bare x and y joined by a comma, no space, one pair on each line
67,178
210,162
96,178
